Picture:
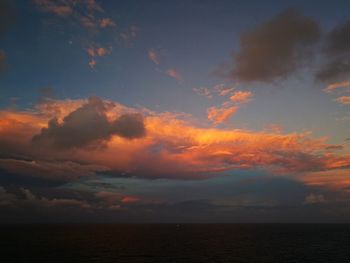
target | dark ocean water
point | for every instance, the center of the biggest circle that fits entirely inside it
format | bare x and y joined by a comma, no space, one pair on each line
175,243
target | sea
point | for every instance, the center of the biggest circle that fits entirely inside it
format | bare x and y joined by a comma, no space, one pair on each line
175,243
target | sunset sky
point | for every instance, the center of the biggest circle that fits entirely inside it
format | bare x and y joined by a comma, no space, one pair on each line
174,111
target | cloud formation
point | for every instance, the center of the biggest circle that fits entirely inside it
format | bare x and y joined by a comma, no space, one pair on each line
274,48
89,124
153,56
173,73
94,31
31,200
222,113
219,115
59,8
107,22
337,85
344,100
337,51
171,148
241,96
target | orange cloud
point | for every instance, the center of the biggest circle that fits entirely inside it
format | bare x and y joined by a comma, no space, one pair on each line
338,180
223,90
152,55
344,100
330,88
94,52
129,33
203,92
171,148
241,96
50,6
174,74
130,199
92,63
107,22
219,89
219,115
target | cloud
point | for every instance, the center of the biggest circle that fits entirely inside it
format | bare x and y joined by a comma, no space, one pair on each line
51,170
312,199
89,124
6,199
203,92
129,33
88,23
171,147
130,199
336,180
153,56
335,70
241,96
31,199
92,63
274,48
59,8
173,73
219,89
92,28
223,90
100,51
107,22
337,50
228,108
95,52
130,126
26,198
220,115
344,100
338,39
337,85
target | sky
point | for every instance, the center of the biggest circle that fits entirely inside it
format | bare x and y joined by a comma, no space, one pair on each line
192,111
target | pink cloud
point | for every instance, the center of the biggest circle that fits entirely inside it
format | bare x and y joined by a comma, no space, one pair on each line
57,8
174,74
129,33
203,92
92,63
107,22
130,199
219,115
334,86
241,96
153,56
344,100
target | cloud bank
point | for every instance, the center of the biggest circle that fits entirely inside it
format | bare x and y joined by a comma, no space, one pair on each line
95,135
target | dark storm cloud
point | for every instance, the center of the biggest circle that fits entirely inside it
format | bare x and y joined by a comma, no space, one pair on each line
337,50
89,124
274,48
